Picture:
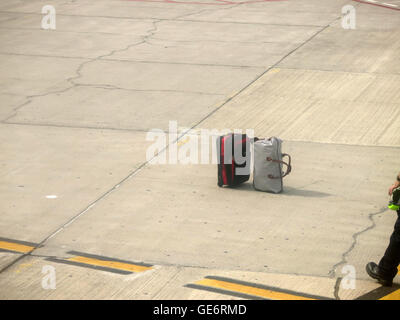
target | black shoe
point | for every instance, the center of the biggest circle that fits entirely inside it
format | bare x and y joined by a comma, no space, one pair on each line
373,271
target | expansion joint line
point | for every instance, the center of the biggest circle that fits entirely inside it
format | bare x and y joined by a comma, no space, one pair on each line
72,80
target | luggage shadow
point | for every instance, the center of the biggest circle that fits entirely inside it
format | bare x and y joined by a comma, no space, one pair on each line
287,191
304,193
242,187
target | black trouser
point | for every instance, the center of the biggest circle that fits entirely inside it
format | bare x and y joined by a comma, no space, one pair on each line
390,261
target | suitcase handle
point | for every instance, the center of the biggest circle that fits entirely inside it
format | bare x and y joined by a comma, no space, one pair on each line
289,165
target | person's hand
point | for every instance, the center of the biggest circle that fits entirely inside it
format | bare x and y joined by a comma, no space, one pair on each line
392,188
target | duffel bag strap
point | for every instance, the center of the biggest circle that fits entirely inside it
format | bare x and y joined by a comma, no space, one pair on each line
288,165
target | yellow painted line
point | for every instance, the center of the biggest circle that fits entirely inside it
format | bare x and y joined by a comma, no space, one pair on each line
110,264
275,70
17,247
392,296
182,142
264,293
23,266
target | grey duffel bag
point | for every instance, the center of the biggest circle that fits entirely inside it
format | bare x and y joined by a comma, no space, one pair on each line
268,165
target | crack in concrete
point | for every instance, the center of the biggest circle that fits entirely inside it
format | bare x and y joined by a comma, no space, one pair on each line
30,99
78,72
113,87
145,39
72,80
355,236
336,288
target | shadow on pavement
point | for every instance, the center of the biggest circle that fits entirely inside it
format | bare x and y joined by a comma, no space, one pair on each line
287,191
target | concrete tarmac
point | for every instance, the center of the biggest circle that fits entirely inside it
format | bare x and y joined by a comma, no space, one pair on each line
80,200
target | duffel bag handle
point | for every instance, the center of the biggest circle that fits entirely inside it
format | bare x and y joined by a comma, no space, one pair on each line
288,165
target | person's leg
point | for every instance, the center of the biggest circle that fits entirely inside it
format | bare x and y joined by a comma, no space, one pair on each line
391,259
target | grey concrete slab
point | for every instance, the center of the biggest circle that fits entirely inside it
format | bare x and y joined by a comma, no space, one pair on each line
133,65
7,17
320,106
93,107
76,24
48,42
196,31
169,76
12,5
305,230
24,75
8,104
133,9
121,9
77,166
101,8
285,13
218,43
209,52
356,50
